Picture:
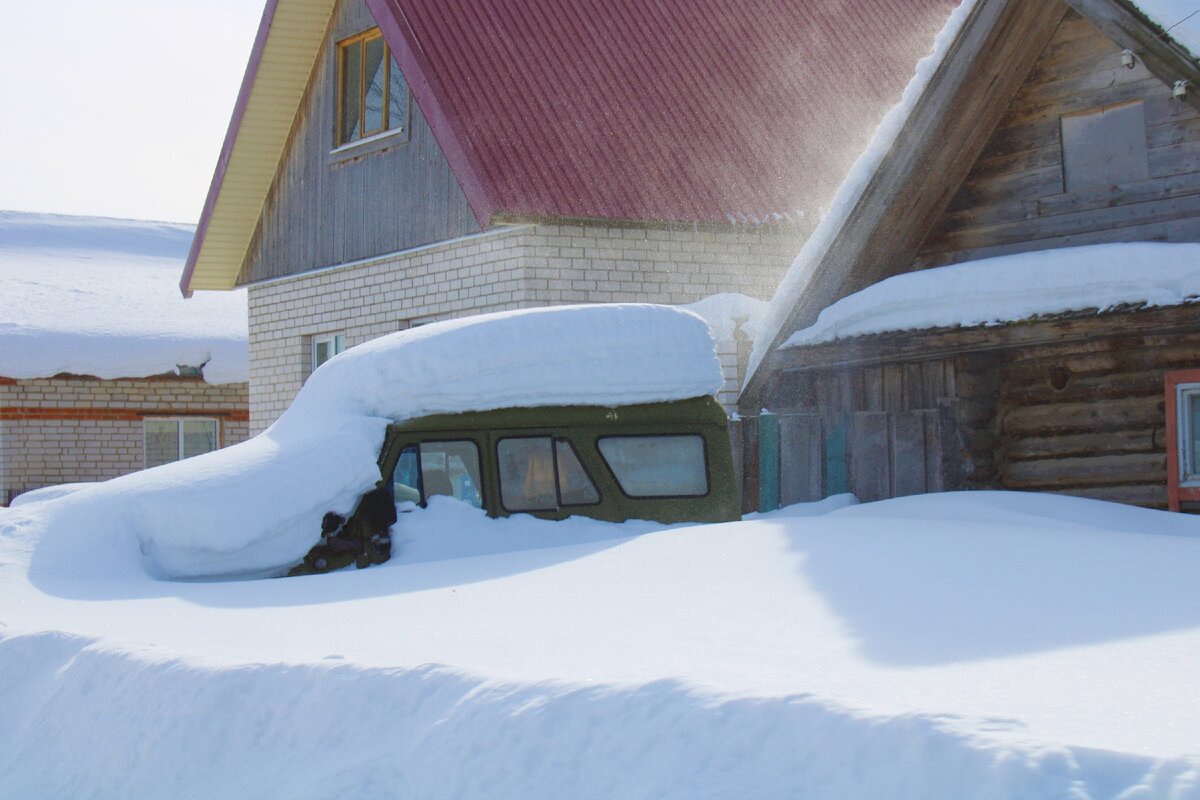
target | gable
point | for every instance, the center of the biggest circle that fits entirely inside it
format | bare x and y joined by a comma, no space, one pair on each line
1136,175
955,105
328,205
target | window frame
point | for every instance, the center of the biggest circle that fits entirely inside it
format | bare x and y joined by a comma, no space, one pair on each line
1183,484
418,444
340,141
179,420
336,339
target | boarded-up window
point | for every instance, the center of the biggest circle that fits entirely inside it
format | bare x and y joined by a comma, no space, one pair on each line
1105,147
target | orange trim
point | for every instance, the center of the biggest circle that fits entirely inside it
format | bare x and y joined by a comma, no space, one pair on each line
7,382
1177,494
119,414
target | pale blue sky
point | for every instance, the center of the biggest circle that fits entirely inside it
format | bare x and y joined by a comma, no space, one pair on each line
117,108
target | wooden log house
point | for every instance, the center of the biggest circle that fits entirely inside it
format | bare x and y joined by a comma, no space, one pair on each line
1046,124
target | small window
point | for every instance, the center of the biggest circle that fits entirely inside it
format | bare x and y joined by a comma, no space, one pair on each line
542,474
372,93
449,469
1183,437
657,466
326,347
1105,147
167,440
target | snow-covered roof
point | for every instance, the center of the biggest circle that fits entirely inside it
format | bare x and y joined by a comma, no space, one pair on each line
1015,287
1177,18
95,296
1169,15
256,507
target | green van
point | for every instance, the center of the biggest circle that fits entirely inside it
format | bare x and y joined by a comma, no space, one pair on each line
668,462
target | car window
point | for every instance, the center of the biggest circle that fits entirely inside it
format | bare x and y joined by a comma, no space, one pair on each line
575,486
528,469
657,466
527,474
450,469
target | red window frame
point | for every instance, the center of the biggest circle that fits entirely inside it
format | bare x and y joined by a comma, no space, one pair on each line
1177,494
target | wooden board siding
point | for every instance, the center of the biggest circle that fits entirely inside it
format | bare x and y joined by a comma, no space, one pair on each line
1013,200
323,209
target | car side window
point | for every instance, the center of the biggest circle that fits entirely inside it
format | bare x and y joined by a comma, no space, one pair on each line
657,466
541,474
450,469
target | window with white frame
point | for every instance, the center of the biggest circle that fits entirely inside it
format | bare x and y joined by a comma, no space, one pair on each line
170,439
325,347
1187,409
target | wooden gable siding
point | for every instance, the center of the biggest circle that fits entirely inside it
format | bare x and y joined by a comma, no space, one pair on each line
1013,200
324,209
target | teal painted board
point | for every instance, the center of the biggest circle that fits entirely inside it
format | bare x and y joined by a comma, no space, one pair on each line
834,478
768,462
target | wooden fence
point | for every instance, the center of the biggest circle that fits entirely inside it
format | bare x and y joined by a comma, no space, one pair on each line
798,458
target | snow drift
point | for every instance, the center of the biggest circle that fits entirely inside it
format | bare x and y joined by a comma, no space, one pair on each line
255,508
93,296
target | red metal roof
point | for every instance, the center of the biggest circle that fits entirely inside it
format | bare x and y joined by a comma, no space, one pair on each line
695,110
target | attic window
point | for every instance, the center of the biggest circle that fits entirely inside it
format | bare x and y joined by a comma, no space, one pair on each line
372,94
1105,147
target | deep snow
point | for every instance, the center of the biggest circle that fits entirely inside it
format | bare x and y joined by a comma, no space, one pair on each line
95,296
974,645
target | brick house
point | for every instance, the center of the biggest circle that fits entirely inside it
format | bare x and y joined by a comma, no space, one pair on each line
393,162
1052,145
104,370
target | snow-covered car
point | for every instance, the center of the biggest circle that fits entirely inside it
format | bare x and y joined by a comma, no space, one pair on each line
621,394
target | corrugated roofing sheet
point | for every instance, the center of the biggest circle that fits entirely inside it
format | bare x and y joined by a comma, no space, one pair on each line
695,110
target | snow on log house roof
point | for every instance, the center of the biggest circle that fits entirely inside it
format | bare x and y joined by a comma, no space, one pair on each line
952,101
724,111
94,296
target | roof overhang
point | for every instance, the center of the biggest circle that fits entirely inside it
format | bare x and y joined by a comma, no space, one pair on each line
285,51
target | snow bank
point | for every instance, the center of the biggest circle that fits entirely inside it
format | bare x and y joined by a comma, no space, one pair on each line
1016,287
255,508
798,276
92,296
966,645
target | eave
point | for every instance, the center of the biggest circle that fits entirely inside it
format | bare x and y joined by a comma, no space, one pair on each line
285,49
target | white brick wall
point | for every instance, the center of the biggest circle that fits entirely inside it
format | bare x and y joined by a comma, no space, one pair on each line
515,267
63,430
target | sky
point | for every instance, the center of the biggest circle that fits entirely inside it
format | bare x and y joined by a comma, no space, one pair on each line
118,108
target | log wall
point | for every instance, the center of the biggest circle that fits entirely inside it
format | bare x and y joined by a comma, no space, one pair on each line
1014,200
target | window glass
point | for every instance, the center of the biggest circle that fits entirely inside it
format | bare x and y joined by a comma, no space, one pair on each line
1192,442
575,486
657,466
348,130
199,436
527,474
162,441
168,440
451,469
397,99
375,71
326,347
406,479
